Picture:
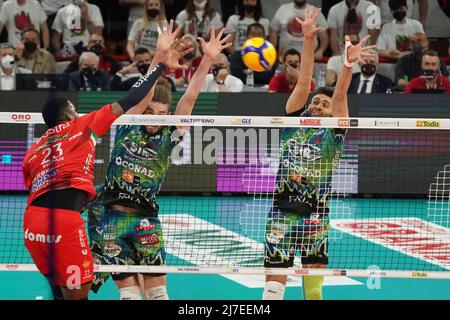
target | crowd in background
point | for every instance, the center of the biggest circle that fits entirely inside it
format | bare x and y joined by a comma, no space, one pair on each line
67,37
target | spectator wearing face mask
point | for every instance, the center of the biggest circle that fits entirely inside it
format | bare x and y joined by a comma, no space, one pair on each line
351,17
88,77
96,45
368,81
386,14
31,56
431,80
237,66
285,82
198,17
8,67
144,32
410,66
394,37
335,64
220,79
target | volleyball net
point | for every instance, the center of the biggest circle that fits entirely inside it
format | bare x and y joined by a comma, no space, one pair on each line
370,194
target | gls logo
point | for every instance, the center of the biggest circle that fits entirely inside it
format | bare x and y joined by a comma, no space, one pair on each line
304,152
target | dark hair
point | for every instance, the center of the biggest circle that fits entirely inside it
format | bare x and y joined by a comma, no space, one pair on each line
141,50
328,91
32,30
431,53
54,111
256,15
291,52
396,4
208,11
256,25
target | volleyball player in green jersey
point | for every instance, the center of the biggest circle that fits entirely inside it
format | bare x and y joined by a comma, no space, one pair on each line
124,227
298,220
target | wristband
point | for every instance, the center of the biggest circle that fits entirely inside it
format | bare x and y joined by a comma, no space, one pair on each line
348,64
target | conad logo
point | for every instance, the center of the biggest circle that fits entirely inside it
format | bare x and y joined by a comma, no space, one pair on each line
21,116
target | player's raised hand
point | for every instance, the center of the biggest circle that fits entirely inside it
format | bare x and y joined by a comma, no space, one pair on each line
176,52
167,37
215,45
354,53
308,24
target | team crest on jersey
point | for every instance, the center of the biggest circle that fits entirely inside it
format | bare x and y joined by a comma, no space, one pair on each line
138,151
304,152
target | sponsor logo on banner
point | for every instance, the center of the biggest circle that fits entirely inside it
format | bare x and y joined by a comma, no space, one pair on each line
188,269
310,122
276,120
419,274
428,123
241,121
339,272
387,123
301,271
12,267
344,123
354,122
197,120
377,274
21,117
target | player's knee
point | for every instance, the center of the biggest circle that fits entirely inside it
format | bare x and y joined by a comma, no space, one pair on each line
130,293
274,290
313,287
156,293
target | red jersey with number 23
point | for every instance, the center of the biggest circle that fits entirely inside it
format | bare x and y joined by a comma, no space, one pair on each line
63,157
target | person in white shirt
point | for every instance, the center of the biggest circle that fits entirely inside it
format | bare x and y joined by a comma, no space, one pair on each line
136,11
198,17
350,17
73,25
393,41
51,7
220,80
336,63
8,68
249,12
144,32
386,15
18,15
285,26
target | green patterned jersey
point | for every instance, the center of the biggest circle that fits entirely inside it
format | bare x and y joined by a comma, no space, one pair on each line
138,166
308,158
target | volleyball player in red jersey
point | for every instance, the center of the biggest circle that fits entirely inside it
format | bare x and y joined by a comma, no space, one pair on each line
58,172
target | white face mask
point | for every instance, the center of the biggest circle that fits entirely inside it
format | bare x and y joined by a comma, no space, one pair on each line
8,62
200,5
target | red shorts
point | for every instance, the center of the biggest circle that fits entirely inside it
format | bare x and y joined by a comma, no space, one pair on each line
57,242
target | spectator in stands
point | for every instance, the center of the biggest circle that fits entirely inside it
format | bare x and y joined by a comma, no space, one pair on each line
393,41
386,15
285,81
410,66
51,7
220,80
88,77
96,45
136,11
144,32
368,81
69,39
351,17
335,64
181,77
249,12
198,17
285,27
237,66
430,80
8,68
31,56
19,15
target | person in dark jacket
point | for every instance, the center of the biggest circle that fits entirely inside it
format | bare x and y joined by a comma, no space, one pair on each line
89,77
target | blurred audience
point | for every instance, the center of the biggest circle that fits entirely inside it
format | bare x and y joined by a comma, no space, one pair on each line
335,64
239,69
386,15
69,38
410,66
8,67
350,17
249,12
198,17
51,7
89,77
285,82
144,32
136,11
19,15
31,56
220,80
369,81
430,80
394,37
285,27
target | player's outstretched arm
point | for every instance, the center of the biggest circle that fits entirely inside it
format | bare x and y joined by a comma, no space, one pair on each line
211,50
298,97
339,103
168,54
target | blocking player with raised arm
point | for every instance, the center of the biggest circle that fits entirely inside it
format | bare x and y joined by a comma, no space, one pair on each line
58,172
299,218
124,227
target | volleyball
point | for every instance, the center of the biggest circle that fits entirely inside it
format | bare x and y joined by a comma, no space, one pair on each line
258,54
